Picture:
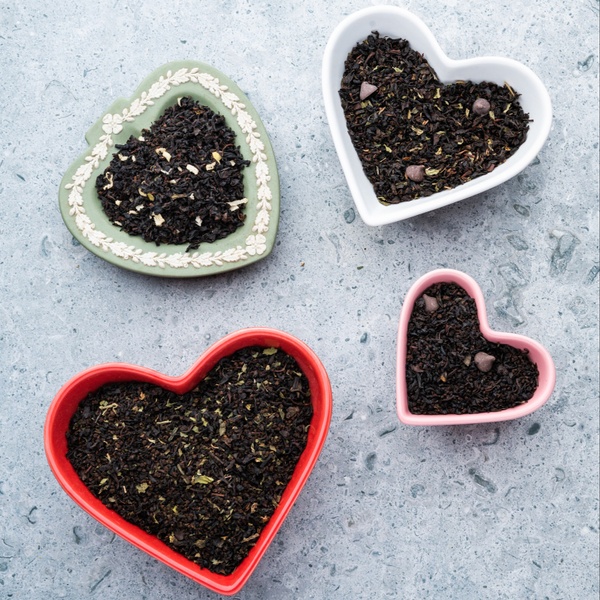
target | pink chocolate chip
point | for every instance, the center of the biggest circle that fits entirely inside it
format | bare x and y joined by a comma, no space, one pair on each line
481,106
415,173
366,89
431,303
484,361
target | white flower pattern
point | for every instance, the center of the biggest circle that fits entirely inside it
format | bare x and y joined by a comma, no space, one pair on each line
112,124
256,244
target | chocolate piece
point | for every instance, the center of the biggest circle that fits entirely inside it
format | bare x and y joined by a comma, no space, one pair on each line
366,89
484,361
415,173
481,106
431,303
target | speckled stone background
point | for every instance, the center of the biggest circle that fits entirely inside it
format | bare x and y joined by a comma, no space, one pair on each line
505,510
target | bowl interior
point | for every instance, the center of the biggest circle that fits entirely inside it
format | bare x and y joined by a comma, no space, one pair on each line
537,354
65,404
399,23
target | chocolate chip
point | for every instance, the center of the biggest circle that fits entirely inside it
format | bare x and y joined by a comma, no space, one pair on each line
431,303
415,173
366,89
481,106
484,361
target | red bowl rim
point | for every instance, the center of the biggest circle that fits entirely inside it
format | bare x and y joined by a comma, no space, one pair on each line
537,353
70,395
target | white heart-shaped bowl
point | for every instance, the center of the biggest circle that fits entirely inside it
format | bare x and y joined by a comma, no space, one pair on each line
398,23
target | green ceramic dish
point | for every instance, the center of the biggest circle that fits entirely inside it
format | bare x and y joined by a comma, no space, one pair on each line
83,214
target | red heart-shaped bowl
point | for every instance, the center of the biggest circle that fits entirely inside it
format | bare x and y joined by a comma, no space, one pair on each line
537,353
73,392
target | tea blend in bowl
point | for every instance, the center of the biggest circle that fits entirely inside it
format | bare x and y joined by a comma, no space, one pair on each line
180,182
416,136
203,471
451,368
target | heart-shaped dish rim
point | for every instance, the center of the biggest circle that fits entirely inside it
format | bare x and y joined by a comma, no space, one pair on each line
81,209
537,353
397,22
75,390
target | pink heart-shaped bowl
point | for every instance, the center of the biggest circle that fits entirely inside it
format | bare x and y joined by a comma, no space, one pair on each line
73,392
537,353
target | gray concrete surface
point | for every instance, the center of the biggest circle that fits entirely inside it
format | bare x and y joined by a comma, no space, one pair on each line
504,510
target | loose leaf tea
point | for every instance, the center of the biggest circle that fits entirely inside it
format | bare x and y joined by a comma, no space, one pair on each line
179,182
416,136
451,368
203,471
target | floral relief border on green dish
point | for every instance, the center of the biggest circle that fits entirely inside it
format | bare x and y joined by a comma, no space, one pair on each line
85,219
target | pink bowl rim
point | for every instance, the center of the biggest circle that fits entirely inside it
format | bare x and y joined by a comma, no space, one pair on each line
537,353
72,392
